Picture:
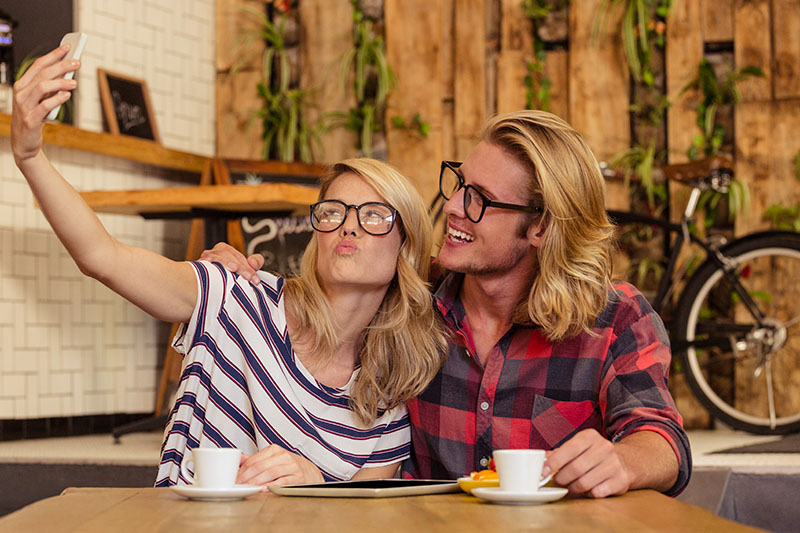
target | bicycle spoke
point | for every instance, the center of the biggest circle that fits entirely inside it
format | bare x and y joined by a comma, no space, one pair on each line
770,395
792,322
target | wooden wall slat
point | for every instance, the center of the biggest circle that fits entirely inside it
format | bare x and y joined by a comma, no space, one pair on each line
766,143
786,56
717,19
236,96
236,101
556,67
232,22
753,160
447,86
684,50
516,30
516,49
326,34
752,20
511,72
470,105
413,49
599,88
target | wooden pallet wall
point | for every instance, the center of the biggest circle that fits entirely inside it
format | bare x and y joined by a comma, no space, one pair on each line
478,77
768,118
457,62
236,96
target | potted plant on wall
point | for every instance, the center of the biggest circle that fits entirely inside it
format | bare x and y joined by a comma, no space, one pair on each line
286,133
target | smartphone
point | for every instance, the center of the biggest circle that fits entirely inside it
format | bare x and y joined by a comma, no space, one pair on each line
76,41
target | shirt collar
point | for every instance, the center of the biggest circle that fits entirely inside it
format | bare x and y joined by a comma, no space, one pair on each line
447,286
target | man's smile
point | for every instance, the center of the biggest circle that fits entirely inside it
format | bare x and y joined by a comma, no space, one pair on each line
459,236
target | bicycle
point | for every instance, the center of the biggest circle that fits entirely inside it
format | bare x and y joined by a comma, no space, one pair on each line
736,323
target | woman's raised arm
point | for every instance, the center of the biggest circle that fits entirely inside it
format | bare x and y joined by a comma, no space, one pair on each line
164,288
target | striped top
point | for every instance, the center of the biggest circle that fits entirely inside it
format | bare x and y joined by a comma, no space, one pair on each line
243,387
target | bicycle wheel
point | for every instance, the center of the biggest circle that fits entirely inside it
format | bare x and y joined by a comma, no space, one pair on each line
745,373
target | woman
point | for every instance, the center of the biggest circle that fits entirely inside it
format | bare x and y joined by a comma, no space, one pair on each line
307,376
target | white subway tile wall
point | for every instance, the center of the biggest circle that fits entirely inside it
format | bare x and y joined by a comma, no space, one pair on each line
68,345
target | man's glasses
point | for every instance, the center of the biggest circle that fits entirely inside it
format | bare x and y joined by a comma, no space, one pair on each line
375,218
475,203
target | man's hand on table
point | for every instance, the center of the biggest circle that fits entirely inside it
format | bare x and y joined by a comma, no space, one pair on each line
274,465
589,464
235,261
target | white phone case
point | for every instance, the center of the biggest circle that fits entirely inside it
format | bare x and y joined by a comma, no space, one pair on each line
76,41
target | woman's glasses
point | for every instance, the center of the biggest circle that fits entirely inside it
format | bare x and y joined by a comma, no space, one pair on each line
375,218
475,203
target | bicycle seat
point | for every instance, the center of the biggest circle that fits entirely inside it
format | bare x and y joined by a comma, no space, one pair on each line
696,170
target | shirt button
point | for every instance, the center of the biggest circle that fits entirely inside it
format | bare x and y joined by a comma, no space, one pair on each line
484,406
484,461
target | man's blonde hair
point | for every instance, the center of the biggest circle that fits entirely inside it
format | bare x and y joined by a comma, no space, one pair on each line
571,286
404,345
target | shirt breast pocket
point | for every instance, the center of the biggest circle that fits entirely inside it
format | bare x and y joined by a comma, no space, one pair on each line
555,421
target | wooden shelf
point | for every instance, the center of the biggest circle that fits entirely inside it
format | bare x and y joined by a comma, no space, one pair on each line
126,147
176,200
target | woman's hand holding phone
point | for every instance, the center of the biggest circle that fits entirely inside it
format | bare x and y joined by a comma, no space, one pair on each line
76,41
42,90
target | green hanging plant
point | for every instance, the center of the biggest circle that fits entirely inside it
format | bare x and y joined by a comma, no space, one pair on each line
537,84
372,80
643,26
285,134
783,218
415,124
639,161
714,93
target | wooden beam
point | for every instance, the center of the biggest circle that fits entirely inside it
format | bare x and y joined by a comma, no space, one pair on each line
122,146
413,49
717,19
556,68
599,87
752,23
684,51
237,198
470,105
786,56
238,134
237,42
326,35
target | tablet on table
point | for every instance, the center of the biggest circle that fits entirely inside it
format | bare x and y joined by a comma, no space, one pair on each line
370,488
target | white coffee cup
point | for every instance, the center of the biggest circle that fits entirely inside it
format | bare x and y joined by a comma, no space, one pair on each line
214,468
520,470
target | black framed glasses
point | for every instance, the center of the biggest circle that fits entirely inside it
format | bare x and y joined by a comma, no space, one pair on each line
475,203
375,218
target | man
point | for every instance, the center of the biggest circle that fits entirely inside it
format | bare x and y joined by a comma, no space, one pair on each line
545,352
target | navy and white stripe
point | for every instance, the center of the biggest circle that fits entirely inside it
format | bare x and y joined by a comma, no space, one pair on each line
243,387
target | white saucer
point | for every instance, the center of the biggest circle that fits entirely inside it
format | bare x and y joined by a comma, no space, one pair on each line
498,495
237,492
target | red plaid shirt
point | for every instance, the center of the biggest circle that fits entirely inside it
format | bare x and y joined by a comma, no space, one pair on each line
536,394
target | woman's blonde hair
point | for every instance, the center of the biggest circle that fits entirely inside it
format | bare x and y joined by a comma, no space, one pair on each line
574,259
404,345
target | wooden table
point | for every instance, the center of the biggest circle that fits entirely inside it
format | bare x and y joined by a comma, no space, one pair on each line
160,510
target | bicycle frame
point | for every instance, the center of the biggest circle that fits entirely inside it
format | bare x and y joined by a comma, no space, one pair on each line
712,253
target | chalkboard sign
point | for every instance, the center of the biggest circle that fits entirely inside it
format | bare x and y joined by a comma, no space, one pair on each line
126,106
